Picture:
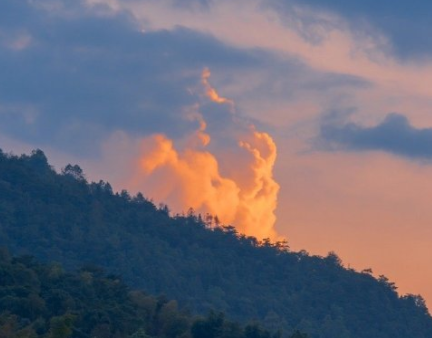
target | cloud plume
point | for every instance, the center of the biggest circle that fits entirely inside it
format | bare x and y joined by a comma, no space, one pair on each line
234,182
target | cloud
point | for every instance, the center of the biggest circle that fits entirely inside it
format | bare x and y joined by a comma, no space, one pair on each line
394,134
192,4
322,41
225,170
404,23
245,196
86,74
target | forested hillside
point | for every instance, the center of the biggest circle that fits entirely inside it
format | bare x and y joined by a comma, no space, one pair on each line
62,217
44,301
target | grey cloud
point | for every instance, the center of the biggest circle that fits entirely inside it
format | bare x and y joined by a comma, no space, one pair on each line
394,135
86,74
405,23
193,4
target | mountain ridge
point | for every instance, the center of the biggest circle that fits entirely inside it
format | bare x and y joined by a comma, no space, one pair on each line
62,217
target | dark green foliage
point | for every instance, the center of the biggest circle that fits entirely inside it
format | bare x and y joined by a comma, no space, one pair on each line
215,326
44,301
298,334
62,217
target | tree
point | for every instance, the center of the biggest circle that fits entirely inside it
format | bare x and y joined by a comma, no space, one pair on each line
141,333
385,281
74,171
38,160
164,209
298,334
254,331
334,259
61,327
210,327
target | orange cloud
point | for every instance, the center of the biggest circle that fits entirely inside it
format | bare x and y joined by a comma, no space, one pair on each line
236,184
200,137
189,178
261,195
192,178
210,92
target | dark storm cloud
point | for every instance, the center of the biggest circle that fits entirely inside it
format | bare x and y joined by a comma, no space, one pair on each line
394,134
406,23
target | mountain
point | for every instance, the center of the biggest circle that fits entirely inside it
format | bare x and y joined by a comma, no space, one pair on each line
204,266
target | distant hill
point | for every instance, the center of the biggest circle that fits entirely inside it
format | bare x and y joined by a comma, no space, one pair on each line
64,218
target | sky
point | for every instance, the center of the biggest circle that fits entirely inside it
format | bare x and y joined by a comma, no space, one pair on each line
305,120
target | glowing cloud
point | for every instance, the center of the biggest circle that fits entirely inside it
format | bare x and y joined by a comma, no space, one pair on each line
235,183
211,93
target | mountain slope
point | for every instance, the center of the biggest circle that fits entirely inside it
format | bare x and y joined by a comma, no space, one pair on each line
62,217
44,301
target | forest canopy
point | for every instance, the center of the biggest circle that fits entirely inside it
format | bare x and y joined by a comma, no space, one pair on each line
193,259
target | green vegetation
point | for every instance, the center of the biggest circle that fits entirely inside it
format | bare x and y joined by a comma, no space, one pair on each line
44,301
62,217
